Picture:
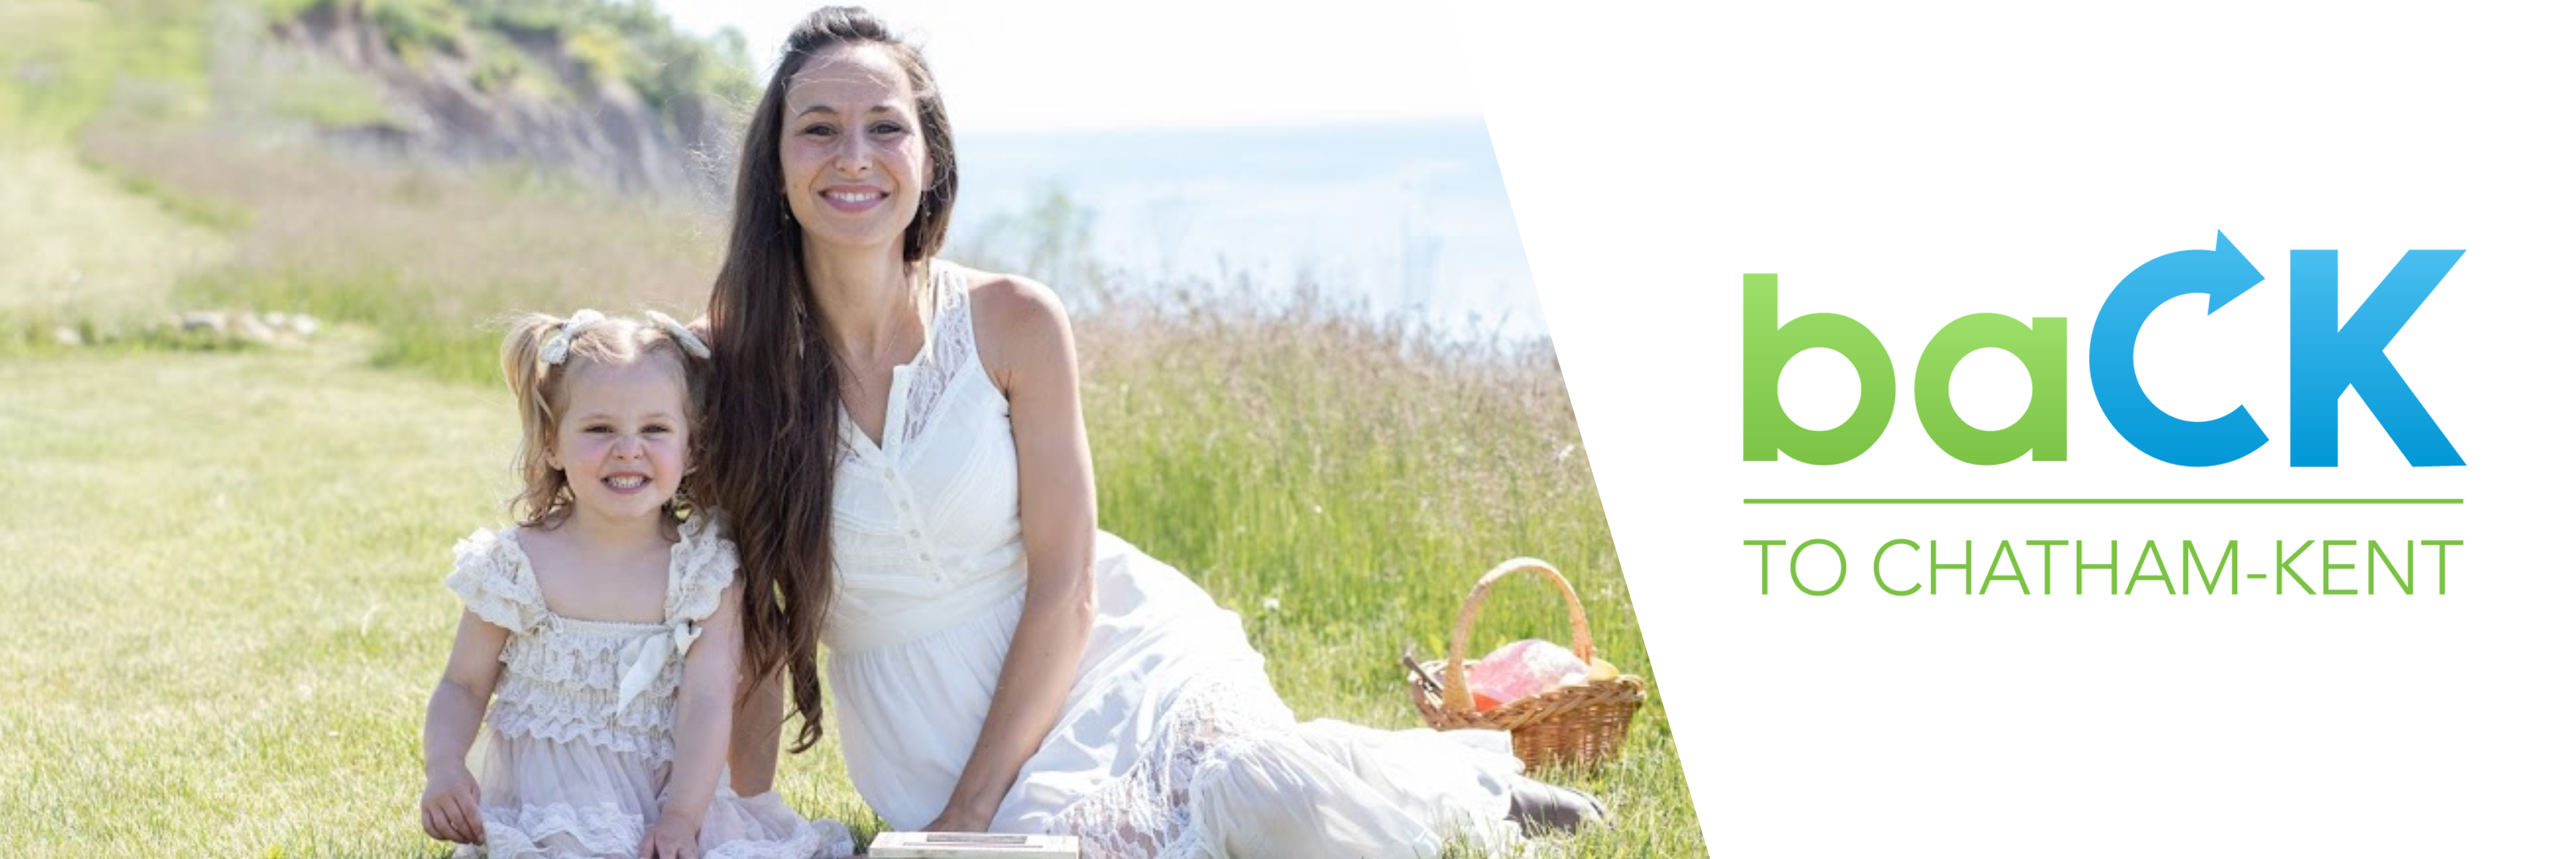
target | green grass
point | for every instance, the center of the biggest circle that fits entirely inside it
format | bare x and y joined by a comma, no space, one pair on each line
221,576
424,257
220,569
222,591
75,245
1359,477
64,61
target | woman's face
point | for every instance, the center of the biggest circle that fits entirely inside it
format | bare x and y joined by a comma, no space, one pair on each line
852,149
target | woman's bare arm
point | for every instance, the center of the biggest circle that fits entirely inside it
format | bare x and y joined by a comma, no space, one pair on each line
1031,357
756,725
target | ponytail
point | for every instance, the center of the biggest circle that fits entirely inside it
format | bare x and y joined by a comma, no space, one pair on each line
544,495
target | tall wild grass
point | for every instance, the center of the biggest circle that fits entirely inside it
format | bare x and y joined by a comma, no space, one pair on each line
1337,478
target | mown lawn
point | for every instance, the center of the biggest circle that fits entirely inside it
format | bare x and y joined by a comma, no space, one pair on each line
219,573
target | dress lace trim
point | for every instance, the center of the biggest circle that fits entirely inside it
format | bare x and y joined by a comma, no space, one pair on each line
1147,812
497,581
539,832
805,844
952,348
564,674
562,685
703,565
523,832
576,660
495,586
571,724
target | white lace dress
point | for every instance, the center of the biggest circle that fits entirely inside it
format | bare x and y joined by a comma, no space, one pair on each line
1173,742
575,749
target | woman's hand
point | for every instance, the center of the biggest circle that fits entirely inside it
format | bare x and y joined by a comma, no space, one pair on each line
674,836
451,806
954,819
1033,362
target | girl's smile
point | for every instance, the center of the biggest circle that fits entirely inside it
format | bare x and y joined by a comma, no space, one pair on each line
624,440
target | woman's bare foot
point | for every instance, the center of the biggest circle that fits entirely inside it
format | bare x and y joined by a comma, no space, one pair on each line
1543,808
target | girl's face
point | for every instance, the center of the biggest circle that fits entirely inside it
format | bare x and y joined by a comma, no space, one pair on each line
852,149
623,437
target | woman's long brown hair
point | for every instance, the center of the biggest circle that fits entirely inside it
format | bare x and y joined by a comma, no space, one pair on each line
772,429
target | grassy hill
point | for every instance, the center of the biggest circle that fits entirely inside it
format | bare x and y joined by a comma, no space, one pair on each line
220,557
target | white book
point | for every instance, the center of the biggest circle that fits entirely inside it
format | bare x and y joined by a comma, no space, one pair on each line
971,845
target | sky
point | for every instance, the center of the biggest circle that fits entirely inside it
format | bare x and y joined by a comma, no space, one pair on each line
1012,66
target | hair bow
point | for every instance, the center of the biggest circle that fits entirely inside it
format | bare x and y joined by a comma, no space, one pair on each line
559,347
681,334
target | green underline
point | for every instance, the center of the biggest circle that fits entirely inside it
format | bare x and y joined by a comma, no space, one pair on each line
2105,501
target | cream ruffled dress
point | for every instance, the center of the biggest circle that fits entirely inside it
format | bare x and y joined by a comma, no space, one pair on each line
1173,742
576,747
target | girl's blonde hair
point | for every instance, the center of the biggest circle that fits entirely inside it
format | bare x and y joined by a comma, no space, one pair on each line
539,352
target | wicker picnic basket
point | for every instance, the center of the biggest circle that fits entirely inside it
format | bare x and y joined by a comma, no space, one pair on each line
1580,726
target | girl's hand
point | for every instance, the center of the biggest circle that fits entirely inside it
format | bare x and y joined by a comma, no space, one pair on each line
674,836
451,806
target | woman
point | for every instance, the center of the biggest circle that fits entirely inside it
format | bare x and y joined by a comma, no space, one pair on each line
900,443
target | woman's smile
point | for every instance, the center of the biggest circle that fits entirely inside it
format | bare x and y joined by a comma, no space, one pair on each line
853,199
852,153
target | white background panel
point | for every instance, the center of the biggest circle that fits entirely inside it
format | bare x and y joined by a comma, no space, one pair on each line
1907,164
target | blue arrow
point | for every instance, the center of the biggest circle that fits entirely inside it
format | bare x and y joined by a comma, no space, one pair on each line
2221,273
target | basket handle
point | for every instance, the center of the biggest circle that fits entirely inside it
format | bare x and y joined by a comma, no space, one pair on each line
1453,689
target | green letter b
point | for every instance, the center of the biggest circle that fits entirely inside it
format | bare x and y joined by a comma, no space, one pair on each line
1768,346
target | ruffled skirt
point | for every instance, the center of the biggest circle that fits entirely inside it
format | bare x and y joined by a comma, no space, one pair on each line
552,799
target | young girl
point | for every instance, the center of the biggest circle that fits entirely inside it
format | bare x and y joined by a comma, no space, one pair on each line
604,629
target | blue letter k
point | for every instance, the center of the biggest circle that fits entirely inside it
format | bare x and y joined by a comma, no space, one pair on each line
2324,361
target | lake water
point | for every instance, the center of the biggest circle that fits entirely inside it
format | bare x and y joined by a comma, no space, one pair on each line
1408,218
